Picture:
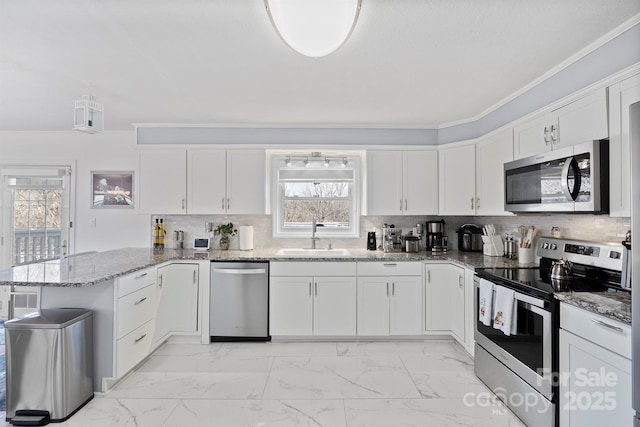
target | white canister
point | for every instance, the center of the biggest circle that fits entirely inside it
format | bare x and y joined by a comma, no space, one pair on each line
246,237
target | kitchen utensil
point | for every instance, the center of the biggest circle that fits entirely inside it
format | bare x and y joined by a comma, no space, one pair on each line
561,269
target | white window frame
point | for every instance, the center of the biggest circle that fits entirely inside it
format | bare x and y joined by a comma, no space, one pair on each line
354,163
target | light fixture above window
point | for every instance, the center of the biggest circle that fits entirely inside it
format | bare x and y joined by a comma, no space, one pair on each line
314,28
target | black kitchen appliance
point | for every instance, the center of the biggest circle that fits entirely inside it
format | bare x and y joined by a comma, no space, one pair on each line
525,361
470,238
371,241
436,236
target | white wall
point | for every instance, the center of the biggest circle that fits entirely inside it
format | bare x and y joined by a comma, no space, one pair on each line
108,151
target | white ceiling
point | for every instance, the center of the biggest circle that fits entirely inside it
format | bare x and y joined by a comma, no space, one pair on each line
408,63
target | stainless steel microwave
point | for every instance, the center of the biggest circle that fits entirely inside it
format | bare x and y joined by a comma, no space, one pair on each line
571,179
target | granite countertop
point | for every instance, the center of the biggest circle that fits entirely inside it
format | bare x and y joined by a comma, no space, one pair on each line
614,305
89,269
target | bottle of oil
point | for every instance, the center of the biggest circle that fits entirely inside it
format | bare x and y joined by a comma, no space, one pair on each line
162,234
156,236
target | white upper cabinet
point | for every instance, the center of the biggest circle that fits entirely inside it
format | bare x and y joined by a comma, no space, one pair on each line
492,152
402,182
246,182
162,182
226,181
624,101
457,180
582,120
202,181
206,181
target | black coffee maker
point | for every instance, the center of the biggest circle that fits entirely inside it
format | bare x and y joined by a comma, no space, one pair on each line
436,237
371,241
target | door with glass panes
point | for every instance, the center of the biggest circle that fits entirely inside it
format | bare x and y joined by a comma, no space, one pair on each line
35,220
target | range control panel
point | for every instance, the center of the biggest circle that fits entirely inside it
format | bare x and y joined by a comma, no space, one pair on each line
604,255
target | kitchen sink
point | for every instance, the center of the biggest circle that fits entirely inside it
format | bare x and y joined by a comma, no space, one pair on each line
312,253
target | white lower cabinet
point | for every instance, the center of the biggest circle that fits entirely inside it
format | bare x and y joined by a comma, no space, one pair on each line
595,370
444,295
389,305
177,297
320,304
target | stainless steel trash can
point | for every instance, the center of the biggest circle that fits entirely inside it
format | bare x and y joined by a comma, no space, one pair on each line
49,357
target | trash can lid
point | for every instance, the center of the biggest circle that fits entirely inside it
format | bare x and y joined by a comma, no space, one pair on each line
49,318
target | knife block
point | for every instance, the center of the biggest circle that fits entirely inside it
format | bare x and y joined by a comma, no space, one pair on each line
492,246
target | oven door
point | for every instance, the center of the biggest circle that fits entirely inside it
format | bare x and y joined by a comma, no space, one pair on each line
528,352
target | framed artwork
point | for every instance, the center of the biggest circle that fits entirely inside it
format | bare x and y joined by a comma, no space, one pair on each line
112,190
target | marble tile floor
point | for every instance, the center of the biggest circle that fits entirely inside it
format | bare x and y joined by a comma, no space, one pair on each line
333,384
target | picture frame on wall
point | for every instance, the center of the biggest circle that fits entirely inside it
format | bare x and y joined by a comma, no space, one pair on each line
112,190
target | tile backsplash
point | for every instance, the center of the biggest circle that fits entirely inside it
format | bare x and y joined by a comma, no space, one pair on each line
577,226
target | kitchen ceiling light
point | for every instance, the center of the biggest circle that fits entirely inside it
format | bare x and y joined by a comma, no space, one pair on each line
88,115
313,28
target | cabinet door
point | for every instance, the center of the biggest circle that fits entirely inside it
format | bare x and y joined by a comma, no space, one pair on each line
206,182
420,182
457,177
596,384
384,183
334,308
622,96
177,299
533,136
373,306
583,120
162,182
491,154
291,306
436,306
456,302
246,182
405,305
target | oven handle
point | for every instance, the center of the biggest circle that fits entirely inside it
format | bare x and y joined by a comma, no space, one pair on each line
519,296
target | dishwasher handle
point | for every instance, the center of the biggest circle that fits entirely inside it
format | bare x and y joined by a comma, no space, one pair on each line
239,270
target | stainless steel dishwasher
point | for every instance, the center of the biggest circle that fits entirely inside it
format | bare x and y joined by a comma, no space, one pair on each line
239,301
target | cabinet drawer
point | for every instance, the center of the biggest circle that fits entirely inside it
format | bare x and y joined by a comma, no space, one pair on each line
389,268
134,281
133,348
597,329
318,268
135,309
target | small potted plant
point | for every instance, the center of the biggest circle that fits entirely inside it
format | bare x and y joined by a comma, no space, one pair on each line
225,231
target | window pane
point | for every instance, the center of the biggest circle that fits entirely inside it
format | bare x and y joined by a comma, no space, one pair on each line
316,189
330,213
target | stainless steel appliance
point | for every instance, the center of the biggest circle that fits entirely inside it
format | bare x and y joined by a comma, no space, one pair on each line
470,238
524,362
392,239
239,301
411,243
371,241
49,365
572,179
436,236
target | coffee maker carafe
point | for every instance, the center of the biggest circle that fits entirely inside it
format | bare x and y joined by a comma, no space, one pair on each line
436,236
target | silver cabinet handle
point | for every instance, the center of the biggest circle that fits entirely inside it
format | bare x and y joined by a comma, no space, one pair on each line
429,276
405,205
460,280
400,205
140,276
160,281
137,340
472,203
194,277
393,288
227,203
390,264
547,137
182,207
316,288
607,325
553,134
309,288
387,288
140,301
477,202
239,270
223,203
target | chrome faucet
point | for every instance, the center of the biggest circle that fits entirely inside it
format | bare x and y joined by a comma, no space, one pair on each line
314,228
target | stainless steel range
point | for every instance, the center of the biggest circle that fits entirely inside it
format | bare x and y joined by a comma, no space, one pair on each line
520,364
